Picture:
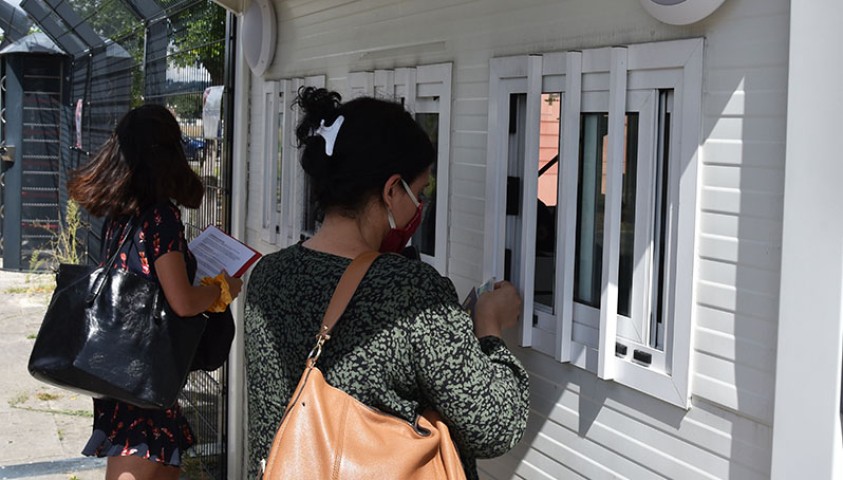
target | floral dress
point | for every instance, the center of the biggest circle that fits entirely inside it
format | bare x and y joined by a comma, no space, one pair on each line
403,344
121,429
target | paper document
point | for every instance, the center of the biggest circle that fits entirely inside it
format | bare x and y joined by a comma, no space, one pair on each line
216,251
470,301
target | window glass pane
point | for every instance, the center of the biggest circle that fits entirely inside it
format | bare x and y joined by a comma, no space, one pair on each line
591,196
425,237
627,260
517,126
591,199
545,275
660,226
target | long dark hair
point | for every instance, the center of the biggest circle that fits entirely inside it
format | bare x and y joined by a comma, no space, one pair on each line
377,139
141,164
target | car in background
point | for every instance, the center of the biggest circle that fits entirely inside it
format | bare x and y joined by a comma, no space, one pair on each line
194,148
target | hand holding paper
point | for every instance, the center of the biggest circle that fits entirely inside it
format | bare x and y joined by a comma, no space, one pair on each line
216,251
496,310
470,302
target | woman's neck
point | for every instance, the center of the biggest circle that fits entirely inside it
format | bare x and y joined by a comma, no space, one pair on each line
344,236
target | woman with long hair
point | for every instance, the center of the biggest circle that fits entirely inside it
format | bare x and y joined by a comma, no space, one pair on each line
137,181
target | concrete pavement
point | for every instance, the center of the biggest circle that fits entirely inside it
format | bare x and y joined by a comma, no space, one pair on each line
42,428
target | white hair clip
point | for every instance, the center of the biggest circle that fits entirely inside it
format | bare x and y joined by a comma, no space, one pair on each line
330,133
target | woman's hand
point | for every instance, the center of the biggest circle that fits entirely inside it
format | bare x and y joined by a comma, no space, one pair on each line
497,310
234,284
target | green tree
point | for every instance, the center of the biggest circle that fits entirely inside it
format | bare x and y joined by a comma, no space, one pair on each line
186,105
197,33
199,39
111,20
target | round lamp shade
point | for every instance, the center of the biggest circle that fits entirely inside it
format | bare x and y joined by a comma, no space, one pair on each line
258,33
681,12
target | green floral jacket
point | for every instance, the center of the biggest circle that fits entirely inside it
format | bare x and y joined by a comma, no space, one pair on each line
403,344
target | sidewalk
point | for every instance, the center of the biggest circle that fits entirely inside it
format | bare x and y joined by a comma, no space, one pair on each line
42,428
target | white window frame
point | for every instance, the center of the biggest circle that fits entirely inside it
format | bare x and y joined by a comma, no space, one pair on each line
360,84
422,89
285,227
270,221
616,80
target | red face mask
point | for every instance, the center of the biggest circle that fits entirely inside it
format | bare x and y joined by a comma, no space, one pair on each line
396,238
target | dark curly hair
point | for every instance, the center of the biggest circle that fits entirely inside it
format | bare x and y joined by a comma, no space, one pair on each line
377,140
143,163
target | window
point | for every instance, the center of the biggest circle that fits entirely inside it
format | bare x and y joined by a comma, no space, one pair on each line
287,213
592,199
425,91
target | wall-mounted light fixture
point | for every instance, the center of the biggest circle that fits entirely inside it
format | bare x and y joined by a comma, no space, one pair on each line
681,12
258,34
236,7
257,31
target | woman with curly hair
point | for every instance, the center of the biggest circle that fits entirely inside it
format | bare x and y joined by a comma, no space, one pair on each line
404,343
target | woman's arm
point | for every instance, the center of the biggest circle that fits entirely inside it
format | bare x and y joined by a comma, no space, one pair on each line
185,299
478,386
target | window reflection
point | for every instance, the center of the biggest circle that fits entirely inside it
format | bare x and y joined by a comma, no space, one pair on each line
591,197
627,260
545,274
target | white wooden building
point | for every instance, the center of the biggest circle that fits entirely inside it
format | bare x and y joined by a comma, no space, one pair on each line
683,303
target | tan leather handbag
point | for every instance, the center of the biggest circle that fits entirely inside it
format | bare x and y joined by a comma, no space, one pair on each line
327,434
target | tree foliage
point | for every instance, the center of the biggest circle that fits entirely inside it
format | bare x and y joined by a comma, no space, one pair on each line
197,32
199,39
186,105
196,40
112,20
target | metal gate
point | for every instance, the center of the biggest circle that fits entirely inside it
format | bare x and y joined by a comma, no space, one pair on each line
170,52
193,88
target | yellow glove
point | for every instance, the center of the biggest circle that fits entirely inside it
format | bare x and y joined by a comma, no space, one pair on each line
225,296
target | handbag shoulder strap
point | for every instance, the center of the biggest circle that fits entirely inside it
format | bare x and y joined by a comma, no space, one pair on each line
120,239
348,284
127,232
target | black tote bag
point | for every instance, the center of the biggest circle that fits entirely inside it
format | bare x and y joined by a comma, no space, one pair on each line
109,333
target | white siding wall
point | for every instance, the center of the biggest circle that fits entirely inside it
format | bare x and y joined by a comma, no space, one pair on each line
581,426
